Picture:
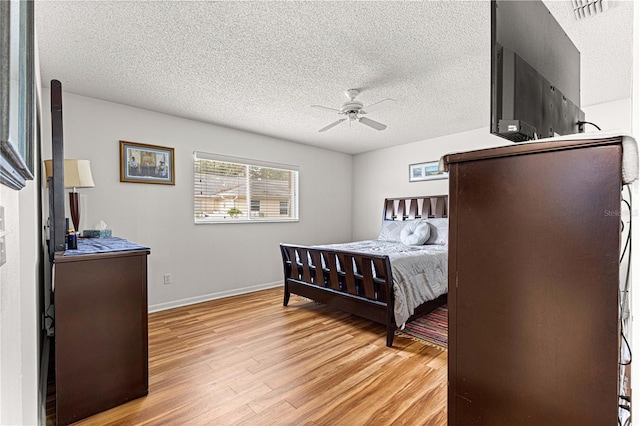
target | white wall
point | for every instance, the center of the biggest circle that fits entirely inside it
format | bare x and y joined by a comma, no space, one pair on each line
30,265
19,354
10,324
616,115
205,261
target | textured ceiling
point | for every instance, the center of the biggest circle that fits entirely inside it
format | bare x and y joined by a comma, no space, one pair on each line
258,66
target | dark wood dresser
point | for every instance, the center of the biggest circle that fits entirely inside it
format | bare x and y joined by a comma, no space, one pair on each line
533,284
101,336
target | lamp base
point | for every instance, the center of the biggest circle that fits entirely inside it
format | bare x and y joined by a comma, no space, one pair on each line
74,207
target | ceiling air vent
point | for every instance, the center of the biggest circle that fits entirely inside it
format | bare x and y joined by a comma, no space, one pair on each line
581,9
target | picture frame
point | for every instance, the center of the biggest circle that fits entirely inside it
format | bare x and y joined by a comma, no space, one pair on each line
426,171
18,98
143,163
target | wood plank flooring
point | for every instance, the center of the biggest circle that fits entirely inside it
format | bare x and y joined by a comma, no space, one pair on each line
248,360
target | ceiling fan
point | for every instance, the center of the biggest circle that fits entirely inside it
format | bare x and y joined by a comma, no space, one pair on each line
353,111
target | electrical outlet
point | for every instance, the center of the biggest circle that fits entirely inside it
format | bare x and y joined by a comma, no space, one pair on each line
167,279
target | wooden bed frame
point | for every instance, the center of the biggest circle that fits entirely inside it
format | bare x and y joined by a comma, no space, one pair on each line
356,290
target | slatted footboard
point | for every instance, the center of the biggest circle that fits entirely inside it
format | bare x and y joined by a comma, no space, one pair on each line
357,283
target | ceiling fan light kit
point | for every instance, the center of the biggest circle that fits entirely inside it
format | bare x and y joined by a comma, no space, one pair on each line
353,110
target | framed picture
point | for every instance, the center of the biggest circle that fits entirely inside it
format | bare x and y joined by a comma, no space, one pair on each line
18,126
141,163
426,171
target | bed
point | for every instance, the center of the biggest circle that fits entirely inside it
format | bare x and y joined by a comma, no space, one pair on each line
383,280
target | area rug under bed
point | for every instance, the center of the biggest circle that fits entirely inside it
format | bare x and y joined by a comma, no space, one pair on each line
430,329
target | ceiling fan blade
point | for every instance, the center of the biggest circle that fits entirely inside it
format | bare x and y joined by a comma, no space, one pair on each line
334,124
325,108
369,122
378,105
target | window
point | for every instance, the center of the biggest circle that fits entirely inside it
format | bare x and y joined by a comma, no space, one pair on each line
232,190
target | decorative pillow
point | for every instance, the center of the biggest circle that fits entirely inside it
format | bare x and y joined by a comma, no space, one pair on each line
391,229
415,233
438,231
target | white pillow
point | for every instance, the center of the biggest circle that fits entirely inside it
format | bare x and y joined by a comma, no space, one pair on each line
439,231
415,233
391,229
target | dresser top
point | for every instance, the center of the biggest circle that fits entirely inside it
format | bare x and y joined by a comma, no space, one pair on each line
101,246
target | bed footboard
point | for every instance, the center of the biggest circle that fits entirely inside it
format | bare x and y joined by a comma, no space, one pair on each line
357,283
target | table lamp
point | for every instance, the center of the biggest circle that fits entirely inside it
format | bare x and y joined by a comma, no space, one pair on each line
77,174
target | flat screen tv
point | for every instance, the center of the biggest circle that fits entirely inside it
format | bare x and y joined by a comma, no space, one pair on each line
535,73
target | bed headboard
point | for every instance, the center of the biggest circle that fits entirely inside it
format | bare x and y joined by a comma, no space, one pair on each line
430,206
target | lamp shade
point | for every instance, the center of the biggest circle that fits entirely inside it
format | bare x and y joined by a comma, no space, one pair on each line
77,173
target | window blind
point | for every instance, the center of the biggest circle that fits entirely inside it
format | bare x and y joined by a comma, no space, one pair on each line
230,189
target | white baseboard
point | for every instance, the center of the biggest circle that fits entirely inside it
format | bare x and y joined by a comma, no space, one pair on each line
211,296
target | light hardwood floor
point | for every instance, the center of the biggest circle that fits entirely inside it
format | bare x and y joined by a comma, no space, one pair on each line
247,360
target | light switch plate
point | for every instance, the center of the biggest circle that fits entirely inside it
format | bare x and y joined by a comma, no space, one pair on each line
3,251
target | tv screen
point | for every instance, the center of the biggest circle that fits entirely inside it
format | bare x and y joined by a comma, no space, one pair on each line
535,73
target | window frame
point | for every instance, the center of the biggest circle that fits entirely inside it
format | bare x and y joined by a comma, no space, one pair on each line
292,199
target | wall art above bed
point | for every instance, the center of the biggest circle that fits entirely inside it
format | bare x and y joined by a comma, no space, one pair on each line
426,171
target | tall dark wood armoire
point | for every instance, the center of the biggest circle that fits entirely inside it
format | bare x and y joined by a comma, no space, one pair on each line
534,285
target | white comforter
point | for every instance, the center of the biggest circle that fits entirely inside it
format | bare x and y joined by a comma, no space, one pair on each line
419,272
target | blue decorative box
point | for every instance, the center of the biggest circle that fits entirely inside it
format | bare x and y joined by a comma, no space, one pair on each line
96,233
